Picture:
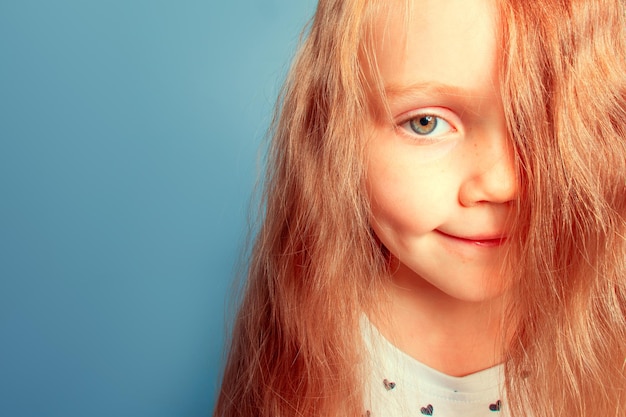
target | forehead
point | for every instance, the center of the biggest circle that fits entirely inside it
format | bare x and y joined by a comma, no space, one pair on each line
451,42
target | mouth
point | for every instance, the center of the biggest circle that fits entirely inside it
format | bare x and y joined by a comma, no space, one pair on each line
488,241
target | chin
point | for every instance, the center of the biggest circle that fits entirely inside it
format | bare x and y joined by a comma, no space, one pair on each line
475,291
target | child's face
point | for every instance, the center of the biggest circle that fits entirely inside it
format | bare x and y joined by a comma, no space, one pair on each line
440,177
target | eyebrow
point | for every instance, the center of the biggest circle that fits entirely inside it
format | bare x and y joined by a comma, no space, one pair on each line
427,89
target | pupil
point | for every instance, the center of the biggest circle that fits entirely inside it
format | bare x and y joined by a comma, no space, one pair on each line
424,121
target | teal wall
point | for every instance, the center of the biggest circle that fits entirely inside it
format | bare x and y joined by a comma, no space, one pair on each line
129,141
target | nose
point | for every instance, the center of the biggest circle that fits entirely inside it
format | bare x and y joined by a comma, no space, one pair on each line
490,174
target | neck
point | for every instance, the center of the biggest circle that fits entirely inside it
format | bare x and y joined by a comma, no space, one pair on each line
453,336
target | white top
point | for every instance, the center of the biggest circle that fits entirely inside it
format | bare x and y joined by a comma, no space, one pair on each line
401,386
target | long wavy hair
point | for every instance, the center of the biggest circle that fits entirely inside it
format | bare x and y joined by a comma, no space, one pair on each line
563,66
296,348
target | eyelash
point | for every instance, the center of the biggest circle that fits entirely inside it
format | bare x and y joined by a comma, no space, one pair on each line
409,123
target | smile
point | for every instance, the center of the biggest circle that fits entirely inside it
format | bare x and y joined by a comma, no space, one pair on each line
484,241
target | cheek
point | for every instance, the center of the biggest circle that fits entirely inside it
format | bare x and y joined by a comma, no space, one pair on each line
404,203
408,187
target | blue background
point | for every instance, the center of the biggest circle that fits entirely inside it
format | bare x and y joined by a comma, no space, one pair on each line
129,147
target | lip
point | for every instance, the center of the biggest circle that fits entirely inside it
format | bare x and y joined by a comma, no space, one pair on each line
488,241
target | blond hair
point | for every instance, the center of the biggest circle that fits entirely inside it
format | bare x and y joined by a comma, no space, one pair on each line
564,94
316,265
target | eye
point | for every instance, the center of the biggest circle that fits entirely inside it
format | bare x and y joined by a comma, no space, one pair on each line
427,125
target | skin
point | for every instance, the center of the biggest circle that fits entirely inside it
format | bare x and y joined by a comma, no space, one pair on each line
442,197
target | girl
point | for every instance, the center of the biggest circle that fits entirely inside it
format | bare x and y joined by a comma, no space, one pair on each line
444,227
